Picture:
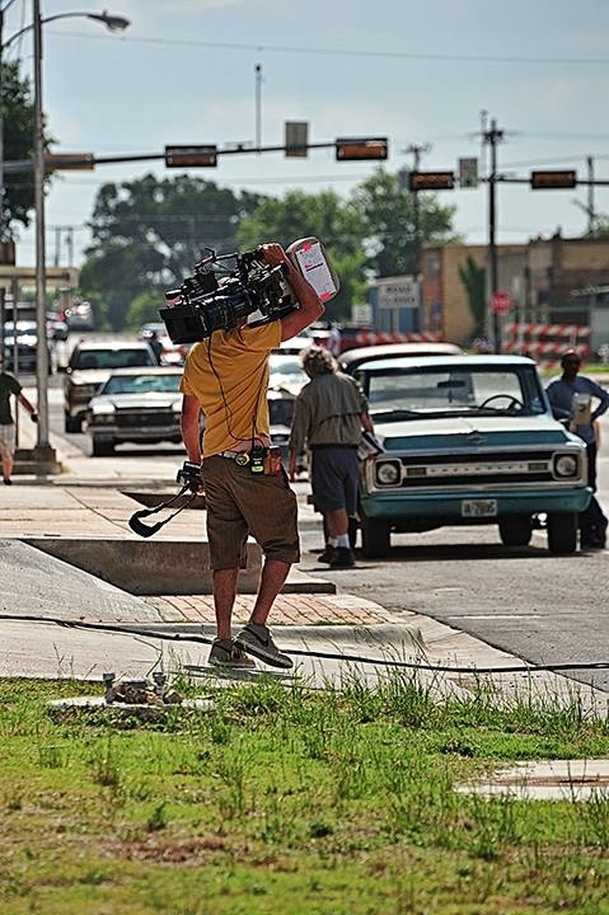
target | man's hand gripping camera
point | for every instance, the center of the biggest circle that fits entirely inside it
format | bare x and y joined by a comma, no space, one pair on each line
190,476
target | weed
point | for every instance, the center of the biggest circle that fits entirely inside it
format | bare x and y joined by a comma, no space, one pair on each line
338,800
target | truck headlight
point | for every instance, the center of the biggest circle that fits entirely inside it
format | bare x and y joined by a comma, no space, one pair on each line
388,473
566,465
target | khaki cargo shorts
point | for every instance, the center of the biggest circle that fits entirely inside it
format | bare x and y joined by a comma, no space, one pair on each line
240,503
7,439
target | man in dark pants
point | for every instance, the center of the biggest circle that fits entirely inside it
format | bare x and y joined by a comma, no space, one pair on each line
570,397
226,378
329,415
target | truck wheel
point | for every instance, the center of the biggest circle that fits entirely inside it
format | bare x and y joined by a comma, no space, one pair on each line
562,532
71,423
376,540
516,530
102,449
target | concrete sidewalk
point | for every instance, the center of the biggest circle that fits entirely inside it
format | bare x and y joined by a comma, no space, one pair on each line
77,599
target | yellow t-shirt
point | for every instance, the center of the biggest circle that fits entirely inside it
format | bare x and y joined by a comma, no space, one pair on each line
228,373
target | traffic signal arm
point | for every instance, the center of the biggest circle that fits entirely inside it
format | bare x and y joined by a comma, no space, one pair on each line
431,181
548,180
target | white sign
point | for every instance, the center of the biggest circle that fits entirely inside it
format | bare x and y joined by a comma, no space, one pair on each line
361,314
400,292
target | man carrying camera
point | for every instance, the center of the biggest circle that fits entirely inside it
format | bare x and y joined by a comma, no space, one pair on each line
246,488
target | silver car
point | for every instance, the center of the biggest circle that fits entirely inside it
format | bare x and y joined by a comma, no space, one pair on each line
139,405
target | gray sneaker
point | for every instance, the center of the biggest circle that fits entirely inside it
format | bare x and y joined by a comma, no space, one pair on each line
224,653
257,640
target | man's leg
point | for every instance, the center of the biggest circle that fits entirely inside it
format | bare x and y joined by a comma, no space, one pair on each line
224,583
272,580
255,638
7,465
338,523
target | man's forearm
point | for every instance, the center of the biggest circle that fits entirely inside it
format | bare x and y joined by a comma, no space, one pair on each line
192,441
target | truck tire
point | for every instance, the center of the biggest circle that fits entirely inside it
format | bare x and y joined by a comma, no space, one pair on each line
376,539
102,449
562,532
516,530
72,423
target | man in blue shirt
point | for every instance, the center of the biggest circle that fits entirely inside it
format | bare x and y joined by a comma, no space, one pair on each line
567,396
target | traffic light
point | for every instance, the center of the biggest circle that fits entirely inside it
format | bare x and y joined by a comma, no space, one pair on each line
362,148
468,172
431,181
190,156
553,179
55,161
296,139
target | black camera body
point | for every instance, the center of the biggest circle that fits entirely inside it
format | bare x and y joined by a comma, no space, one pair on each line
190,475
209,301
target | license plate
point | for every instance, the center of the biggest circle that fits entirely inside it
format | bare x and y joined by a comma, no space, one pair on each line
478,508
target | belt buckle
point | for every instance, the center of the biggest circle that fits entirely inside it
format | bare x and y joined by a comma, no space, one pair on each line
242,459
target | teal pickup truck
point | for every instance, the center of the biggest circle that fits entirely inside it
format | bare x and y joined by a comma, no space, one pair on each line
468,440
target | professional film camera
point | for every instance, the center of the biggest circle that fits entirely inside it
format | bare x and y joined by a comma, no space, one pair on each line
216,298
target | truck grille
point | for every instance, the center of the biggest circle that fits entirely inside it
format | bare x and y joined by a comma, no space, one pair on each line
490,468
134,419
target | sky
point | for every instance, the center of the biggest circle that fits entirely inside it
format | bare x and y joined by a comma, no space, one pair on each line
428,76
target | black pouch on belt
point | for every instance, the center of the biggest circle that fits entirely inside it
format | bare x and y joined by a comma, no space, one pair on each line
257,460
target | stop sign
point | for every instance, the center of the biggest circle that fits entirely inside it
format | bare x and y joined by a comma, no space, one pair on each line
501,302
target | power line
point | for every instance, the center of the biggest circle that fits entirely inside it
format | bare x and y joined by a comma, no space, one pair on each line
347,52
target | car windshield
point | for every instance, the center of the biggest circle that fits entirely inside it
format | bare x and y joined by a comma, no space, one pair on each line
398,394
288,364
112,358
281,412
142,384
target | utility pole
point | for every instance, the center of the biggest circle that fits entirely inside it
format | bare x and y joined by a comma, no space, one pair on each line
258,106
417,150
492,138
591,213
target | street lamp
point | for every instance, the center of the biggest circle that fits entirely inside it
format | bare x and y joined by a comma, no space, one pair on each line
115,24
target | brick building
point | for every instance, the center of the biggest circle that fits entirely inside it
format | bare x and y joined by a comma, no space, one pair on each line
554,280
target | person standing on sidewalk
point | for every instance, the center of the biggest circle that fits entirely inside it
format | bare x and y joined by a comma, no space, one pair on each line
9,386
562,394
329,415
226,377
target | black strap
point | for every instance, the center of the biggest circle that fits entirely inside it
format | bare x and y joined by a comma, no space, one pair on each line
144,530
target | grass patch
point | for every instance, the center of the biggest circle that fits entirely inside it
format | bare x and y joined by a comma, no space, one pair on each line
281,798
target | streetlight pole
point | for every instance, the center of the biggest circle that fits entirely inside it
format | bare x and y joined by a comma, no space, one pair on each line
43,448
43,452
493,137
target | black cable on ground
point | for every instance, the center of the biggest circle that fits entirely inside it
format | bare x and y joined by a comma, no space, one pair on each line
524,667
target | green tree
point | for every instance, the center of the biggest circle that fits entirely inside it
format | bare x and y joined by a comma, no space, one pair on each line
388,212
18,136
473,278
326,217
143,309
149,234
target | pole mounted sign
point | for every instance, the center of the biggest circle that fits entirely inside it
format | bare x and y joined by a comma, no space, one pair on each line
501,303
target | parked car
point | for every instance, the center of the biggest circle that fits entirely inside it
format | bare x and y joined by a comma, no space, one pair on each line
80,316
141,406
468,440
286,378
26,344
90,365
171,353
57,326
352,358
152,327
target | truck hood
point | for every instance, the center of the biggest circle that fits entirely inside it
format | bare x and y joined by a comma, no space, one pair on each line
152,400
472,433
